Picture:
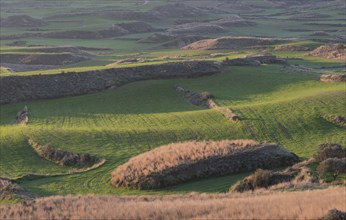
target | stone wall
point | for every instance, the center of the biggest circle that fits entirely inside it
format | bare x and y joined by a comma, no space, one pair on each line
24,88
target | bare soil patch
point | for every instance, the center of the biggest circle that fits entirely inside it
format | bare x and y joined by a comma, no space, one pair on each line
180,162
232,43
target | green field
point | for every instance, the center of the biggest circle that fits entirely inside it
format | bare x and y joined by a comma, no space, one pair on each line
276,105
280,104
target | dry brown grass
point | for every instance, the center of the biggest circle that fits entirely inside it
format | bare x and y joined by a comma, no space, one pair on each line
261,205
336,52
175,163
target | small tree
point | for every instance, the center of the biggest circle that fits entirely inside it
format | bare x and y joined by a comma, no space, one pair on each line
334,166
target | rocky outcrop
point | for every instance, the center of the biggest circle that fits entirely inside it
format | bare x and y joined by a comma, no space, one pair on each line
333,78
23,88
181,162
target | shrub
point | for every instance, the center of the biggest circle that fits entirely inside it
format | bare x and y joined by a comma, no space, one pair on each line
334,214
334,166
64,158
260,179
329,150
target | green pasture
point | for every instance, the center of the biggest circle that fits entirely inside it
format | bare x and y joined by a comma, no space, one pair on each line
275,105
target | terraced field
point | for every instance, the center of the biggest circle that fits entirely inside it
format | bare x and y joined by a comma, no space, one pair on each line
276,105
284,104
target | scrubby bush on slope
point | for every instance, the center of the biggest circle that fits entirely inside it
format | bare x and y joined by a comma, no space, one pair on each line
334,166
329,150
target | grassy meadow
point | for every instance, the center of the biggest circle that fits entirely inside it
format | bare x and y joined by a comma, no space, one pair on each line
277,106
281,104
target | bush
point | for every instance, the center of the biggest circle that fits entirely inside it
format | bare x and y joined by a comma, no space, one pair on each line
334,166
329,150
335,214
260,179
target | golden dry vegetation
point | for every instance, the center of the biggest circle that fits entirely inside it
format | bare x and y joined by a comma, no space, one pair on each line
259,205
180,162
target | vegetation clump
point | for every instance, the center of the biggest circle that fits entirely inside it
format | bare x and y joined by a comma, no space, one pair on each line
65,158
334,166
11,191
329,150
23,116
261,179
333,78
334,214
336,119
334,51
199,99
180,162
